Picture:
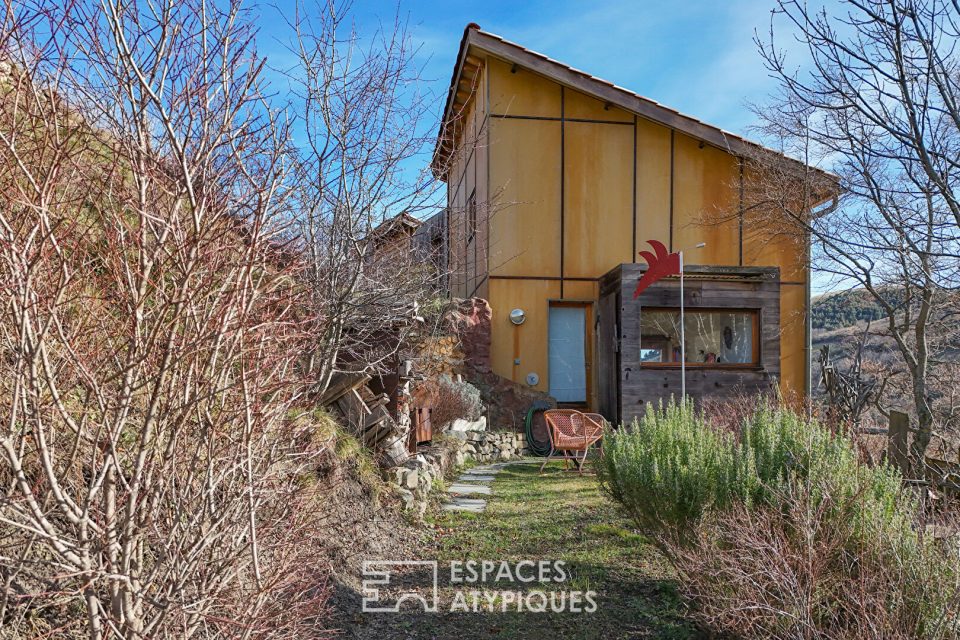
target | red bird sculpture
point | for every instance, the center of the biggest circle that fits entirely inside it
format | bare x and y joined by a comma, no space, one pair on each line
661,265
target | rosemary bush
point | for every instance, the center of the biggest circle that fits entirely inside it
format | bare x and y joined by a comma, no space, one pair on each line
782,497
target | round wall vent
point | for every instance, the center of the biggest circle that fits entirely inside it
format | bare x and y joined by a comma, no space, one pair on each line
533,379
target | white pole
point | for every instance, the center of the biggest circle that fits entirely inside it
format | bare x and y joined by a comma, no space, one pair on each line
683,343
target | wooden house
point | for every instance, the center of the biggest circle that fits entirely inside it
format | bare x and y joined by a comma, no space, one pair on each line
555,181
393,239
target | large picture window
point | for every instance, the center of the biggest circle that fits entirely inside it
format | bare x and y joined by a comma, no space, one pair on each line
715,337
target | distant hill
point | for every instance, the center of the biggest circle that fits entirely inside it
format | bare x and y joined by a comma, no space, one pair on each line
847,308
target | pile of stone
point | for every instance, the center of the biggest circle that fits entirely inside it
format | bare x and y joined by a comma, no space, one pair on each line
492,446
487,446
414,480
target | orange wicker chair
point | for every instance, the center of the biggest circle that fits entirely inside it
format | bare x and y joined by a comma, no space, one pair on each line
571,435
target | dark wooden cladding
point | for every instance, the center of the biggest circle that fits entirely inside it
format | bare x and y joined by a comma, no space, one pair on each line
748,288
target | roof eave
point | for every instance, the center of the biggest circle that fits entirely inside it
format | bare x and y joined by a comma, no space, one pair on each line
435,165
607,91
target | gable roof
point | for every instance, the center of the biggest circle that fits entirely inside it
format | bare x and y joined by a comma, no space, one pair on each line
475,38
402,223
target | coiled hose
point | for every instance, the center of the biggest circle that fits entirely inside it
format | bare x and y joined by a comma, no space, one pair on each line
541,449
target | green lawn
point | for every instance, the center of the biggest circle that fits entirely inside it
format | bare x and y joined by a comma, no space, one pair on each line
558,516
563,516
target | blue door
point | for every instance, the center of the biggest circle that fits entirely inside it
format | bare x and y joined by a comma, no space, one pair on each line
568,373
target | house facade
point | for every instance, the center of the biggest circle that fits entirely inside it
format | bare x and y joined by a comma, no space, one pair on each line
555,182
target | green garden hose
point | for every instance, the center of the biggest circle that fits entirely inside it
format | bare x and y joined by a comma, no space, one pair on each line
541,449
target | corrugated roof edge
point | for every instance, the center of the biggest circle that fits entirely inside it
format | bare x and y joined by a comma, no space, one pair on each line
628,100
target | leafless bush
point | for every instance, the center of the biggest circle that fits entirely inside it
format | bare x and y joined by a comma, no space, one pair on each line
802,570
150,330
451,400
362,111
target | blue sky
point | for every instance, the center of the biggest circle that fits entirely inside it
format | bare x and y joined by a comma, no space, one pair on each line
693,55
696,56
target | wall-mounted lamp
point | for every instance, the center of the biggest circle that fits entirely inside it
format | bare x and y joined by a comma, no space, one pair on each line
517,316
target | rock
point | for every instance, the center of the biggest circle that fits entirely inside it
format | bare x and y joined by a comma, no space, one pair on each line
473,328
468,425
411,479
406,496
426,480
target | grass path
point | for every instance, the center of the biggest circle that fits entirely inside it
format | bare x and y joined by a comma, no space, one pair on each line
557,516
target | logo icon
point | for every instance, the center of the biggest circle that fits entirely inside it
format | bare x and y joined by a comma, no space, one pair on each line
377,575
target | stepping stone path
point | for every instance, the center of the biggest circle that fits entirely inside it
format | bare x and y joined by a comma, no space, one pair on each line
476,482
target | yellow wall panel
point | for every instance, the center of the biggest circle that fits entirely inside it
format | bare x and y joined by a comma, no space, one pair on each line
706,185
793,356
770,239
522,93
762,248
598,204
524,158
483,209
527,341
579,105
579,290
653,184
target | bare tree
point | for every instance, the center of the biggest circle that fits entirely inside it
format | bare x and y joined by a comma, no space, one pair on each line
876,101
150,328
362,113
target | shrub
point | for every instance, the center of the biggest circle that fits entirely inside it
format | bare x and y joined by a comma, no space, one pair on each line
670,467
451,400
777,528
667,469
800,569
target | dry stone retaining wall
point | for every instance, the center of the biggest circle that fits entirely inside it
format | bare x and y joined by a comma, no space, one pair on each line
415,479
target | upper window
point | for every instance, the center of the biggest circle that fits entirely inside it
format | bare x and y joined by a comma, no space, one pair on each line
472,215
715,337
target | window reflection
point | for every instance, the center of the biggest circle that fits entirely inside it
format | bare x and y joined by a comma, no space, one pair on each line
713,336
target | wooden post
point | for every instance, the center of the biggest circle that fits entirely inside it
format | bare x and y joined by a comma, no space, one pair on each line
897,441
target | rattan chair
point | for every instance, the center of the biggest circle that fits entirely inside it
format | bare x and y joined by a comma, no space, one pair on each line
571,435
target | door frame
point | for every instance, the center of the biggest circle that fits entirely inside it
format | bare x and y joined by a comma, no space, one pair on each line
588,346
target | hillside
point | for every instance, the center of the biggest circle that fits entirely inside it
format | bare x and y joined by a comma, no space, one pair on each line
847,308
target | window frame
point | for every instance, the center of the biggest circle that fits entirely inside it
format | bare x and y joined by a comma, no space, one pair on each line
757,340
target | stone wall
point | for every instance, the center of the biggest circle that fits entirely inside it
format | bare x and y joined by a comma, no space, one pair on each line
494,446
415,479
